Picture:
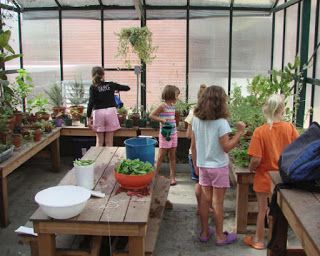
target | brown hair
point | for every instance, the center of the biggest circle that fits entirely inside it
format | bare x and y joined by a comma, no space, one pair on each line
201,90
97,74
169,92
212,104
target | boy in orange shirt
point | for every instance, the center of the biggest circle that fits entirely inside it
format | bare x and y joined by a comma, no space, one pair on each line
266,146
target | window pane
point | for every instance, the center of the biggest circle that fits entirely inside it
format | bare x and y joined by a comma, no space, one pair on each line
278,37
41,51
251,48
81,46
291,34
208,52
169,66
111,43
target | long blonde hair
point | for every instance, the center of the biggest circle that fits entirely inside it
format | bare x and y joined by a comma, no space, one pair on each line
97,74
273,108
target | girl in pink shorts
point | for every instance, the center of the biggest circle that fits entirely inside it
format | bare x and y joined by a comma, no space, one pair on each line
102,107
165,114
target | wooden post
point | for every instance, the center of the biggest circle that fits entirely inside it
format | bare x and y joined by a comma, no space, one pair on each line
55,154
136,246
4,202
47,244
242,207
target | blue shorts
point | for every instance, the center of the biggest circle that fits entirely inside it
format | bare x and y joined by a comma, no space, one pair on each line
194,176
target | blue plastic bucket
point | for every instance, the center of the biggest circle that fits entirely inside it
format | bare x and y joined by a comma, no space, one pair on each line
140,148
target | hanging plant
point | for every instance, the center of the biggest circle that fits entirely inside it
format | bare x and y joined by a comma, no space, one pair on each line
137,40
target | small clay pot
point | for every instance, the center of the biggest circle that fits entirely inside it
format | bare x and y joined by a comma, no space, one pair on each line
16,140
37,135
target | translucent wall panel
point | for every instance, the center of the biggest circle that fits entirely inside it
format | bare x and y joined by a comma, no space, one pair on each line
41,51
111,43
312,34
254,3
251,48
37,3
208,52
278,38
10,21
210,3
169,67
291,34
125,78
81,46
318,52
167,2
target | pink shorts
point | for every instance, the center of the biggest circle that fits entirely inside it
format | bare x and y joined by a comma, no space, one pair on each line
105,120
214,177
173,143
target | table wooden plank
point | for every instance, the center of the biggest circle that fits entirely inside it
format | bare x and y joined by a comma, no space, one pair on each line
148,131
86,131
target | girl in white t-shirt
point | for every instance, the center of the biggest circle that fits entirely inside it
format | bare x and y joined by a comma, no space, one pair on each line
210,145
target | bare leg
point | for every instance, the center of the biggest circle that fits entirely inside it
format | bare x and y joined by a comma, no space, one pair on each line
206,198
172,164
197,191
217,204
262,208
99,139
108,139
162,152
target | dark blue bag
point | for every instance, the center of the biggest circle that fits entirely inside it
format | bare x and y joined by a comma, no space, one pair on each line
117,99
299,164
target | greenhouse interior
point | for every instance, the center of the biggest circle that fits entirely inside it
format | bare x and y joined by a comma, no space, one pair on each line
252,49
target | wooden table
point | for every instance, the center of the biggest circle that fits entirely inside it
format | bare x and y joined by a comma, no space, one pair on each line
246,207
114,215
301,210
21,156
86,131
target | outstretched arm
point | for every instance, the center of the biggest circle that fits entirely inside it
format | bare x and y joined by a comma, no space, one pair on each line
226,143
120,87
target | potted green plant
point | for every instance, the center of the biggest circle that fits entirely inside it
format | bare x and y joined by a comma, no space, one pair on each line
122,114
40,104
56,99
137,40
77,97
182,110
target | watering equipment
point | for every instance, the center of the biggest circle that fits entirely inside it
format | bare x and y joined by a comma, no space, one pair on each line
166,131
140,148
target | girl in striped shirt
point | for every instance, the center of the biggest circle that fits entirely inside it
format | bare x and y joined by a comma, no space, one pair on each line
165,114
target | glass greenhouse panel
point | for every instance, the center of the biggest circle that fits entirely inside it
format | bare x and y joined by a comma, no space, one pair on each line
224,3
312,35
278,37
78,2
254,3
318,54
36,3
208,51
111,43
126,78
251,48
167,2
10,22
7,2
41,51
117,2
169,66
168,14
291,34
81,46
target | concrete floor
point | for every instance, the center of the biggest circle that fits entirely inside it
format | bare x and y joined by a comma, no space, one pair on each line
179,227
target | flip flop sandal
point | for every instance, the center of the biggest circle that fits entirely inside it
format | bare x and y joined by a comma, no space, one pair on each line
230,238
173,183
204,239
248,240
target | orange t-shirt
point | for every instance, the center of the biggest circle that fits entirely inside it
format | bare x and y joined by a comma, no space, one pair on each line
268,145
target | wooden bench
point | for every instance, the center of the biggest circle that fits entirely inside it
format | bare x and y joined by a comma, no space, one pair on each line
21,156
159,199
300,209
67,245
246,203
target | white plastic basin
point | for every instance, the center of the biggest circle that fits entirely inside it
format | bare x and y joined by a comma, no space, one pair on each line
62,202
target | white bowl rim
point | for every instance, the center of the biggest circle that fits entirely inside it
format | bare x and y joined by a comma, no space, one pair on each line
86,195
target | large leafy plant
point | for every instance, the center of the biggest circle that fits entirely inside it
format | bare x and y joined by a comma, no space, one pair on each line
137,40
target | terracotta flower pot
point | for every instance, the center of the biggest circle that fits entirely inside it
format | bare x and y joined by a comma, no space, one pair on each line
16,140
37,135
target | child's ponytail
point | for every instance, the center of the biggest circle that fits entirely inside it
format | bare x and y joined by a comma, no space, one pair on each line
273,107
97,74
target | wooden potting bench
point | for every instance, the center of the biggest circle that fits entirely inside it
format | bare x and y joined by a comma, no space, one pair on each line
117,214
300,209
21,156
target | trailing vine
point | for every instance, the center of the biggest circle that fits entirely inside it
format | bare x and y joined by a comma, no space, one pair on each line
137,40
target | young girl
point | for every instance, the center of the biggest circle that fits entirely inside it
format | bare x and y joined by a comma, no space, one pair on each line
101,101
165,113
210,144
194,176
267,143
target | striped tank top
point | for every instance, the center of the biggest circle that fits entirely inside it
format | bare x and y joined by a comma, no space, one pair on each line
169,114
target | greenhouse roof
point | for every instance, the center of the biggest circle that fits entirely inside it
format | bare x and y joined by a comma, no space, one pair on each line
132,9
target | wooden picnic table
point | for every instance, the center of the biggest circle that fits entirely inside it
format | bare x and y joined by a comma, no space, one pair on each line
300,209
21,156
115,215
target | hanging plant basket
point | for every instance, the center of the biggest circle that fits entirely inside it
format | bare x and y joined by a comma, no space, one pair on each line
137,40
